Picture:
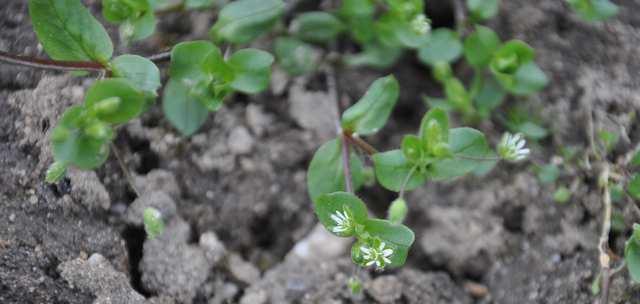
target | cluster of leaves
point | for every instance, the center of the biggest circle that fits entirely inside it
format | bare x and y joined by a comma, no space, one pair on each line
200,75
137,18
436,153
500,68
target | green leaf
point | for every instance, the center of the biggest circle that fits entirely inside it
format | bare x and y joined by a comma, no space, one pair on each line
295,56
142,27
69,32
80,140
184,110
528,79
632,254
188,59
480,45
330,204
636,159
242,21
594,10
470,150
372,111
548,174
608,139
442,45
252,69
562,195
316,27
56,171
325,174
374,55
397,32
531,130
198,4
117,11
483,9
489,97
392,169
633,187
397,236
131,100
139,71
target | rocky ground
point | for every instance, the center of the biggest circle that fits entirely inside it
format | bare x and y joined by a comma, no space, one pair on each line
240,226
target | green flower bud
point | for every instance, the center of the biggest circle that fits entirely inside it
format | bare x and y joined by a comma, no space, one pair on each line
507,63
98,130
433,134
442,71
355,286
421,24
397,211
442,149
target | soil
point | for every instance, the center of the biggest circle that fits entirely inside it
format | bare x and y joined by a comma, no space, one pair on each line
239,224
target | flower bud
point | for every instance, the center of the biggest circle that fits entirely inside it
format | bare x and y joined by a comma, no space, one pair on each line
107,106
398,211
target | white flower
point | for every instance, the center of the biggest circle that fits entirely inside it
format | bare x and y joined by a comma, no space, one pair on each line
344,223
378,256
512,148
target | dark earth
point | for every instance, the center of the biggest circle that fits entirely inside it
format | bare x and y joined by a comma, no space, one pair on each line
240,226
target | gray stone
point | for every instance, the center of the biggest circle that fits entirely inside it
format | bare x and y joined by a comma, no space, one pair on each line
242,270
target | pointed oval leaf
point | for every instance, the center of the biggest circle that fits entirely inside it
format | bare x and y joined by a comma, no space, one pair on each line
252,70
470,151
392,169
480,45
371,112
316,26
139,71
442,45
325,173
68,31
397,236
242,21
184,111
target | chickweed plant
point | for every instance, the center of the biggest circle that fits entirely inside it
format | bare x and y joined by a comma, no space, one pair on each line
205,74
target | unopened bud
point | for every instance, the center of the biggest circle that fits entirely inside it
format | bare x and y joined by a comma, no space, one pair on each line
398,211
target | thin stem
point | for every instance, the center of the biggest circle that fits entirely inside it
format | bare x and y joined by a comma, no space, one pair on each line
460,17
406,181
603,244
477,158
51,64
58,65
346,165
360,143
124,169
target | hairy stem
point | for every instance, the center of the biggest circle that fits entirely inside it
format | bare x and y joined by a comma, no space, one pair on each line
406,182
346,165
603,244
41,63
90,66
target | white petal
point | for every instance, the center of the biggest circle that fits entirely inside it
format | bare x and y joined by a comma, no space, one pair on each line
336,219
365,250
521,144
386,260
382,245
343,215
369,263
387,252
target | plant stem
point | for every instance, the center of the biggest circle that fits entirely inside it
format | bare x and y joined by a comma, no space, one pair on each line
477,158
346,165
51,64
360,143
90,66
405,182
124,169
603,244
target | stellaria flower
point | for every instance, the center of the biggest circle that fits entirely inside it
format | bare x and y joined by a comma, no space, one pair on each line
344,222
512,148
377,255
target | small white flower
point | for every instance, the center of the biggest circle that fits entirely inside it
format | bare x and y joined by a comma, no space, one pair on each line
344,223
512,148
378,256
